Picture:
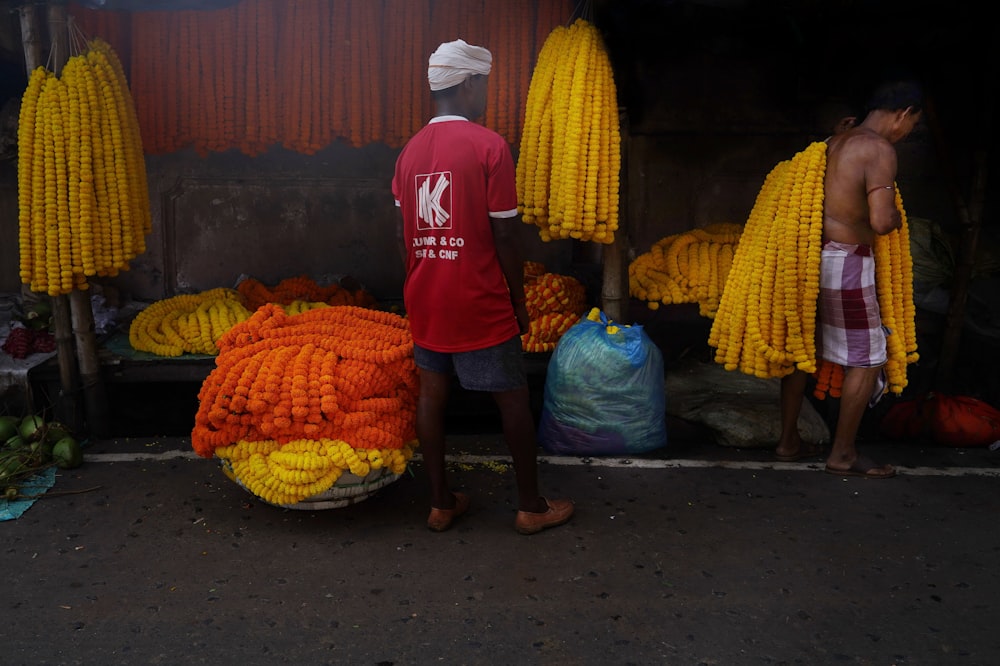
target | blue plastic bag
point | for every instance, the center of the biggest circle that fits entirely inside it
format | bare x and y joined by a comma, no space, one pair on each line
604,392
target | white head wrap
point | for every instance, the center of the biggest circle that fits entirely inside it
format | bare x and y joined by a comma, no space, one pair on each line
454,62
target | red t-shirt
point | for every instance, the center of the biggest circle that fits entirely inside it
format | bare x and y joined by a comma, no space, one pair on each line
451,178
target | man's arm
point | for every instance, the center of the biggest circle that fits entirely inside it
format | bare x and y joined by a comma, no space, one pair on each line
880,181
512,265
400,238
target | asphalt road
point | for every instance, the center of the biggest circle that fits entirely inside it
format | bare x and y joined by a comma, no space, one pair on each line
691,555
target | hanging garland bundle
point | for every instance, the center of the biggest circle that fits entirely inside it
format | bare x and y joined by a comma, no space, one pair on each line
690,267
766,321
83,203
215,79
569,160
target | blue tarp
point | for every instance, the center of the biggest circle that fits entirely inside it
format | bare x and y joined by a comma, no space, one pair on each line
34,485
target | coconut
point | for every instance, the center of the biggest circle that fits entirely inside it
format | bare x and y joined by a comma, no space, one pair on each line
54,431
31,427
8,427
67,453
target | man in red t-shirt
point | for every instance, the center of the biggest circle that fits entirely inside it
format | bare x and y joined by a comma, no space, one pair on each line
454,185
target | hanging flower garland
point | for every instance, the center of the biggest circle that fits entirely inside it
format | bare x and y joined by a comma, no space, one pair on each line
217,79
569,160
83,203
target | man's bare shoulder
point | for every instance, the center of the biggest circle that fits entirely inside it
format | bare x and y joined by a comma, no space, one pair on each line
859,139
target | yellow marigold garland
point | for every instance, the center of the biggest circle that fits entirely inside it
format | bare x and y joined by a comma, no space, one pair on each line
569,158
766,321
83,204
689,267
292,472
189,323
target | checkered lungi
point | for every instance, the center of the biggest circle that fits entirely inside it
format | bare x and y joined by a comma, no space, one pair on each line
850,324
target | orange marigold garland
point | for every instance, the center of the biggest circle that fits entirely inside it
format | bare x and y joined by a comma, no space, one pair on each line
555,302
333,374
304,288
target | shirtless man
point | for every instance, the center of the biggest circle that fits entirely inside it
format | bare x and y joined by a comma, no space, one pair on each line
859,204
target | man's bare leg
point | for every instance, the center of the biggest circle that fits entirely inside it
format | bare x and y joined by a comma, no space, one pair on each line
793,388
519,433
855,394
431,404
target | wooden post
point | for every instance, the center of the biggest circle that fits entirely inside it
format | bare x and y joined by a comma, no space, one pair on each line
72,315
65,406
615,293
82,314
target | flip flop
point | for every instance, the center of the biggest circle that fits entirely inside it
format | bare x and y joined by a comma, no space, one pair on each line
811,450
864,467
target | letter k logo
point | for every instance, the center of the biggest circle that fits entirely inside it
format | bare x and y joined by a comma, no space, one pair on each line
434,200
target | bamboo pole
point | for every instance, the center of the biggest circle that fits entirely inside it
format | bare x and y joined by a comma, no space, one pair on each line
65,406
82,314
614,287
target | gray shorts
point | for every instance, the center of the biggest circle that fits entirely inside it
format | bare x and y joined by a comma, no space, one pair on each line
494,369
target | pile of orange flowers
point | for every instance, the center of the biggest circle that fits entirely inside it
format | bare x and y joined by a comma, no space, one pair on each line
766,321
339,373
296,401
689,267
303,288
555,302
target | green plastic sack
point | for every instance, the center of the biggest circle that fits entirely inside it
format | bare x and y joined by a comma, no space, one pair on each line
604,392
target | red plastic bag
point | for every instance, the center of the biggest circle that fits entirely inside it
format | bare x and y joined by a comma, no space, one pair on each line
958,420
907,419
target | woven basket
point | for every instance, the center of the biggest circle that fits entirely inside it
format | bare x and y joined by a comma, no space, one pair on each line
349,489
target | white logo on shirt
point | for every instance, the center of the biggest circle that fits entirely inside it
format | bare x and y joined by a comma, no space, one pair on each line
434,200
